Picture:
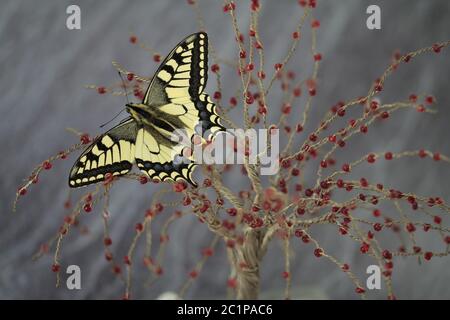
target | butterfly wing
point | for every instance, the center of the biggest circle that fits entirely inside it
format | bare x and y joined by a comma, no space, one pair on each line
176,95
113,152
161,158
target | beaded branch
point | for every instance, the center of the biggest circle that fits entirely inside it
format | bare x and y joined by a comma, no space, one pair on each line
284,208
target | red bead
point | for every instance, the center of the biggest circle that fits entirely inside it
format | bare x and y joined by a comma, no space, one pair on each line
157,57
437,47
193,274
56,267
377,227
359,290
108,256
285,274
229,7
22,191
143,179
420,108
315,23
371,158
363,182
133,39
437,219
318,252
85,139
346,167
385,115
207,252
278,66
305,238
298,233
317,57
139,227
101,90
374,105
410,227
378,87
217,95
262,110
428,255
422,153
117,269
364,247
296,35
87,207
332,138
388,156
254,5
376,213
47,165
107,241
413,98
363,129
215,68
232,283
387,254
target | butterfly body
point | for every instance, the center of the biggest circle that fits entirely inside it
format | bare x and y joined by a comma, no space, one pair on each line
174,102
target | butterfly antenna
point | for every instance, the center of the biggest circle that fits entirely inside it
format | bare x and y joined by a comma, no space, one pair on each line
124,87
112,118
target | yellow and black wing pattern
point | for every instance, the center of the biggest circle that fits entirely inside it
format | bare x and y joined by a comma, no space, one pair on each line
174,102
112,152
175,96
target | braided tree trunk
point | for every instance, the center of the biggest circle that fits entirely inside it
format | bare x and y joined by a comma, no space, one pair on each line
249,259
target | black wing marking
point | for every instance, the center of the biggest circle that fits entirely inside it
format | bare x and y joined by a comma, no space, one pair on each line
113,152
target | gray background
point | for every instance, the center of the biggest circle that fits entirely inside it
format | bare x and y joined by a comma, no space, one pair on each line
44,67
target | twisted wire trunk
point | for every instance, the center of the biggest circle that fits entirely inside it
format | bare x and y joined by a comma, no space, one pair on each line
248,263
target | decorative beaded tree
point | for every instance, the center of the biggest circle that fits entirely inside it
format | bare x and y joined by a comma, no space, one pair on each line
283,206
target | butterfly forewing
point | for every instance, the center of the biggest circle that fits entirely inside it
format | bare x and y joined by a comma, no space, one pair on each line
113,152
182,75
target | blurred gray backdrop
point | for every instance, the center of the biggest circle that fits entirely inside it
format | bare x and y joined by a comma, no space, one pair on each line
44,67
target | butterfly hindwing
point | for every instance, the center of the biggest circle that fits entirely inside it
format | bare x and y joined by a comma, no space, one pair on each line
112,152
161,158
